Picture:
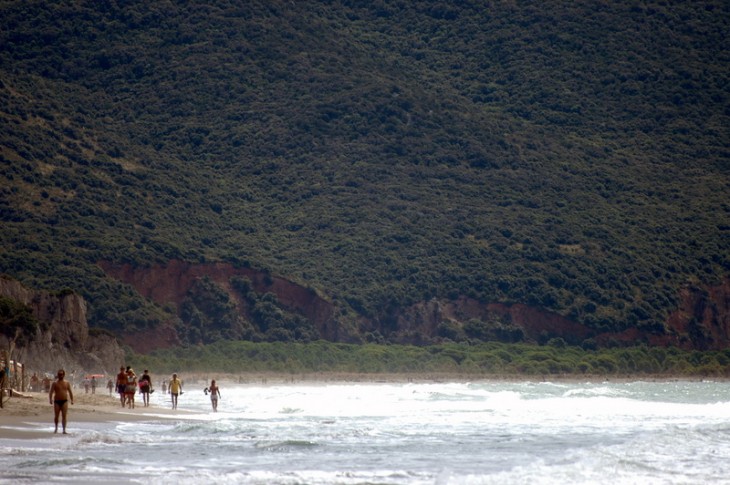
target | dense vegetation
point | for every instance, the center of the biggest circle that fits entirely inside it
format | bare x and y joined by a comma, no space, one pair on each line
573,157
17,322
208,315
484,360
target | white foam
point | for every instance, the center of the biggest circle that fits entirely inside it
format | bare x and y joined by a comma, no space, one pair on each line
450,433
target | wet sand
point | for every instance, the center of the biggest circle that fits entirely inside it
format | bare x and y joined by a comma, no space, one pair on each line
21,417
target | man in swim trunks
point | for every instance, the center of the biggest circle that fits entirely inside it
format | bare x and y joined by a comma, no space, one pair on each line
59,396
122,384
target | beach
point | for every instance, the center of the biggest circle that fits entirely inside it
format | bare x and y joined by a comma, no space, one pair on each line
21,417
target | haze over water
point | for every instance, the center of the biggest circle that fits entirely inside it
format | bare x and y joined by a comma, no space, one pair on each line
403,433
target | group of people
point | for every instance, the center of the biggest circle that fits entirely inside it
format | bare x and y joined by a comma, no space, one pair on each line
90,384
40,385
127,384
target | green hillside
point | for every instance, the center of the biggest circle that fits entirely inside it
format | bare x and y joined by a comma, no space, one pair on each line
573,156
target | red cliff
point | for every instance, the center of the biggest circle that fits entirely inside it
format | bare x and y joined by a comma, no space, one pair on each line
701,321
703,315
170,284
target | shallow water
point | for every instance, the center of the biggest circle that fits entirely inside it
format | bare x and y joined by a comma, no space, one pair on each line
408,433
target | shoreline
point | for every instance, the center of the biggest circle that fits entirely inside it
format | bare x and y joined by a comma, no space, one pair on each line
21,417
270,378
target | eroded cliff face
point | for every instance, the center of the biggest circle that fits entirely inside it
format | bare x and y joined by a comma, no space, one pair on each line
425,317
149,339
537,324
703,315
170,284
65,340
701,321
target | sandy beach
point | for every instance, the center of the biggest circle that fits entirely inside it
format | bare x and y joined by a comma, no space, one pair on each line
21,417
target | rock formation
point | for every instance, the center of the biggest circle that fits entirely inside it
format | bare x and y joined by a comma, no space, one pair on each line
170,283
63,339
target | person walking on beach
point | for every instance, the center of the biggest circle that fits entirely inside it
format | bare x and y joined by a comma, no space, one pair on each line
59,395
3,385
145,386
122,384
131,388
110,386
215,393
175,390
93,385
35,383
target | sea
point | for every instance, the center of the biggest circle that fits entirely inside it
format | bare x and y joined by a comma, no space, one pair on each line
485,432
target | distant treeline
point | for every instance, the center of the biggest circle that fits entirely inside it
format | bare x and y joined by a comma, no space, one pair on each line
487,359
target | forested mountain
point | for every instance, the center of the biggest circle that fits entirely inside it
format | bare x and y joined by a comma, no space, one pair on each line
571,157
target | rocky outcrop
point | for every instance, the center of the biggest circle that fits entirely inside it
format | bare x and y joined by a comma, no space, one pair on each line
63,339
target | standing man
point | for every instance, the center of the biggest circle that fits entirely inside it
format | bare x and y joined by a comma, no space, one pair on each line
35,383
122,384
93,384
175,389
59,396
145,385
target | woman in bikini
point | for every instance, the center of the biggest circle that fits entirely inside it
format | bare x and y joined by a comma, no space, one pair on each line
215,393
131,387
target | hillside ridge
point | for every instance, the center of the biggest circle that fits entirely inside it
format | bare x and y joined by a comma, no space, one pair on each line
573,158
